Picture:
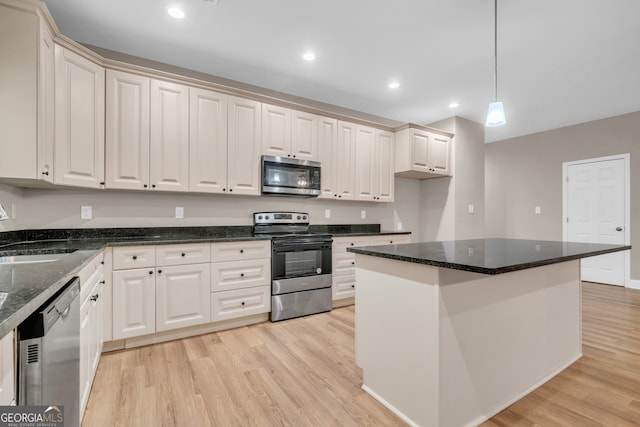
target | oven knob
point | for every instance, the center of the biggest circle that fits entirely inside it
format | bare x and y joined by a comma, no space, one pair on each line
266,217
299,217
259,216
304,217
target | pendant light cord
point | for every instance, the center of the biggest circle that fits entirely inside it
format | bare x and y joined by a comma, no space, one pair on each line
495,48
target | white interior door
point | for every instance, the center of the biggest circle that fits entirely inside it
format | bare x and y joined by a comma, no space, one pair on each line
595,201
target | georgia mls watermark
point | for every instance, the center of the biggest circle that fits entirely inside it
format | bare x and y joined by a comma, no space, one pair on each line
31,416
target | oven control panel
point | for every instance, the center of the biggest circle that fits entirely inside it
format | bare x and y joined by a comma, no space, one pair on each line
280,218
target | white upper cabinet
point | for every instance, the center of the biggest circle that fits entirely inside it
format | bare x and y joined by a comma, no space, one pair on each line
169,136
79,120
422,154
26,94
244,142
127,131
327,155
207,141
289,133
345,161
384,178
365,162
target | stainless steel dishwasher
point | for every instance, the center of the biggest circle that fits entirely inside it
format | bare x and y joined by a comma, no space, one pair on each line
49,354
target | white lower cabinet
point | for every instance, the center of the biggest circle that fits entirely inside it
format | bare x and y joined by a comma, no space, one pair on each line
344,263
134,302
182,296
240,302
240,274
7,370
91,325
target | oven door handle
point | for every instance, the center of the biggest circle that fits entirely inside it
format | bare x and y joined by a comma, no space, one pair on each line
292,247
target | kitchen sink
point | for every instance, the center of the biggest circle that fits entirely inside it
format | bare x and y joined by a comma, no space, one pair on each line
30,259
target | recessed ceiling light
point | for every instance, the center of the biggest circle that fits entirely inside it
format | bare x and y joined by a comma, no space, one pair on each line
309,56
454,105
394,85
176,13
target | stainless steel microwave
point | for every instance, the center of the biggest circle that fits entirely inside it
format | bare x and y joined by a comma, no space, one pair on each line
282,176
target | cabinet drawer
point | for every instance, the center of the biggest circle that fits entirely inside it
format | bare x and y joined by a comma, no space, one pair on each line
183,254
390,239
235,251
129,257
240,302
89,285
344,263
240,274
341,244
344,286
89,270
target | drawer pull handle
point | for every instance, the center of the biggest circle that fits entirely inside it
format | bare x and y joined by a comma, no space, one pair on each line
135,257
102,282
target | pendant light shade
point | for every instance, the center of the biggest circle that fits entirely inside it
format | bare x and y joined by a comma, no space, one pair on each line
495,114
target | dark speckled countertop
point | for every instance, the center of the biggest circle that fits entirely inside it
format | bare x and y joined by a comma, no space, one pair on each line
489,256
25,287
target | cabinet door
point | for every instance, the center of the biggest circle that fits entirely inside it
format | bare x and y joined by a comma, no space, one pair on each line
439,154
169,136
245,124
304,135
79,117
7,378
327,155
46,105
345,164
419,145
384,172
365,159
276,131
134,303
127,131
182,296
207,141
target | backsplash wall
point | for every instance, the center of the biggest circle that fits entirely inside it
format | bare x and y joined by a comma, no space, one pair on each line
44,208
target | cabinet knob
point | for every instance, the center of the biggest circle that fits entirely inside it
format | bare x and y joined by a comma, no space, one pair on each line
224,189
45,173
153,186
241,251
242,302
241,274
95,297
335,195
353,286
145,185
353,263
390,241
150,272
183,254
351,243
102,183
159,271
102,262
102,282
294,156
230,190
135,257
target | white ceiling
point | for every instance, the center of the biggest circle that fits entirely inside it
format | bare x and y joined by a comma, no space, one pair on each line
560,62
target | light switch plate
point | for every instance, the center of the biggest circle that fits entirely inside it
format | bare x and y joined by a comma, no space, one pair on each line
179,212
471,208
327,213
86,212
363,214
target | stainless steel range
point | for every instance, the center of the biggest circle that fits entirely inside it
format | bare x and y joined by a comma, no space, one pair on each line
300,264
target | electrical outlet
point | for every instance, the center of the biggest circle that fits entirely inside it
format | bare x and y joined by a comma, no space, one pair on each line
399,226
471,208
179,212
86,212
538,210
363,214
327,213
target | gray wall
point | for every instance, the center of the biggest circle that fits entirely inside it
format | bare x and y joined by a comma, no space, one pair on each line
525,172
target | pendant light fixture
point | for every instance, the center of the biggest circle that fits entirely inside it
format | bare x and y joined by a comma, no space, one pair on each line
495,115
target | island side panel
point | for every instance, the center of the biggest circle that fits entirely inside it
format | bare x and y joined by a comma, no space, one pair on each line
503,336
397,336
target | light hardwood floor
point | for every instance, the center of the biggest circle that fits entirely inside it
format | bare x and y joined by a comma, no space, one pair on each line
302,373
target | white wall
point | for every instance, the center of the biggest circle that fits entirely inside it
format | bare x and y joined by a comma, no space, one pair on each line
45,208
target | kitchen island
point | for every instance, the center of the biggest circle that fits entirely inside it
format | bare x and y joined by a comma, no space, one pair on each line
451,333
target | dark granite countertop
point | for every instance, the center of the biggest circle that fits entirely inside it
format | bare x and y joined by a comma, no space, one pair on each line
489,256
25,287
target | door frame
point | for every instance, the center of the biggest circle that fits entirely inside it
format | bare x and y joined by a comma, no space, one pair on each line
627,207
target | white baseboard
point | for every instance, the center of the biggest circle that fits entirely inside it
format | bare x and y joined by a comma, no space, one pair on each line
633,284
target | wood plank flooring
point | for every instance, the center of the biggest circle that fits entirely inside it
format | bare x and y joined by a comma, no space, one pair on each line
302,373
